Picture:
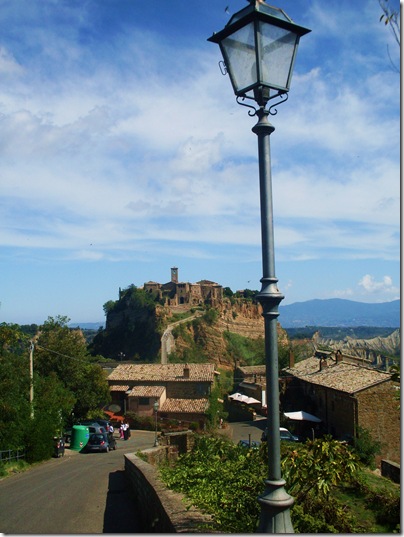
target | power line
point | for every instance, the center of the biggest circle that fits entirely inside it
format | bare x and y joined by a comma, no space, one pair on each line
58,353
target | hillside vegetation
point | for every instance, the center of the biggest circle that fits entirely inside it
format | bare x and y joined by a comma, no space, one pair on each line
231,332
333,491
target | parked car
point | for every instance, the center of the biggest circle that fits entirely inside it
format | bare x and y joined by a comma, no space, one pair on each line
247,444
58,446
111,441
103,423
287,435
284,434
100,442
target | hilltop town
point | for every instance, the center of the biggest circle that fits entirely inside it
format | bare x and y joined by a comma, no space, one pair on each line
176,293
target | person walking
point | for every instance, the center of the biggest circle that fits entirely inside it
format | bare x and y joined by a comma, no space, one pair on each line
125,430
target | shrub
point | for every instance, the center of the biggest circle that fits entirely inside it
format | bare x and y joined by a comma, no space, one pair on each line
210,316
384,502
225,480
145,423
365,447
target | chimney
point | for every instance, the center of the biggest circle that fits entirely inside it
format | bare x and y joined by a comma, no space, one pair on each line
291,359
323,363
338,356
186,371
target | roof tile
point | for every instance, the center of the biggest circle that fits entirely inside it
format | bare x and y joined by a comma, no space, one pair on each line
185,405
147,391
342,376
162,372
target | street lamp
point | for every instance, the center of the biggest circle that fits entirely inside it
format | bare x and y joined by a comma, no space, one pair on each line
259,46
156,407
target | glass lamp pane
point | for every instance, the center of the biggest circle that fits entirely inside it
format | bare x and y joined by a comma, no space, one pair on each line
277,52
239,54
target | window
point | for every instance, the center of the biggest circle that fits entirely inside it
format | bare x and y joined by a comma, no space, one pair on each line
144,401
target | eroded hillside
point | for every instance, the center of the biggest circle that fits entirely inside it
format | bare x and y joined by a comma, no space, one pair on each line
232,330
386,346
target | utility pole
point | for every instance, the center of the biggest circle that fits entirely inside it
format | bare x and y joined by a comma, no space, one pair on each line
31,378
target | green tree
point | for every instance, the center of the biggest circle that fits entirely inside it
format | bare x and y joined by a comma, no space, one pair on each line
63,352
224,479
318,466
12,339
227,292
220,478
52,401
15,409
132,327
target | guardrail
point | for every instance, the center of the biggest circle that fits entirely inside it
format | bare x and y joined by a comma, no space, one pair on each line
7,455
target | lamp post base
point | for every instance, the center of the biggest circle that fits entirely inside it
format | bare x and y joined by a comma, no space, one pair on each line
275,509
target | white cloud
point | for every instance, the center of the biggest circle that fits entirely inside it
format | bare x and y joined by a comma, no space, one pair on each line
370,285
370,289
131,141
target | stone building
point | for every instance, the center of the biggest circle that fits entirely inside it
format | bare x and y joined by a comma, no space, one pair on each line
343,394
346,396
176,293
251,381
181,390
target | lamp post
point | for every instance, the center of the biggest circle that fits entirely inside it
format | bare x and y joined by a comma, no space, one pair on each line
259,46
155,407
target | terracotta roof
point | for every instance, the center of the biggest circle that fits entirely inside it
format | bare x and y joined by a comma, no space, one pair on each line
162,372
147,391
345,377
253,369
185,405
119,388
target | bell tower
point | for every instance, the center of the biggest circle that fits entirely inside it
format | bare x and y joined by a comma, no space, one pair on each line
174,274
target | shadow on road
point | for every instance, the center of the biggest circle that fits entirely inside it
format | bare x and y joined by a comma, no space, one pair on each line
120,515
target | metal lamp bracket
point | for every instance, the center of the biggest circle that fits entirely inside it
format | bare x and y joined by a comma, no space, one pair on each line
283,97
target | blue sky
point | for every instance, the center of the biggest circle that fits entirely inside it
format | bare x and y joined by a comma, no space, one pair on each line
124,153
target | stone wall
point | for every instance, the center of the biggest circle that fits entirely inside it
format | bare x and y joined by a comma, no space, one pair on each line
379,412
391,470
162,510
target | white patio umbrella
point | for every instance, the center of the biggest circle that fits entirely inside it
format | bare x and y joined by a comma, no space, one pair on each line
252,401
236,396
301,415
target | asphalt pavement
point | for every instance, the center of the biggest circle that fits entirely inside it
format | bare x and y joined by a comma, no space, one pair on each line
242,430
84,492
77,493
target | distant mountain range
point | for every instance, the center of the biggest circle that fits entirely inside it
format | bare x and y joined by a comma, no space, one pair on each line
339,312
328,312
88,326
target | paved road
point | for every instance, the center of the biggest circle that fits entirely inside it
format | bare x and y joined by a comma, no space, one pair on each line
77,493
167,339
83,493
242,429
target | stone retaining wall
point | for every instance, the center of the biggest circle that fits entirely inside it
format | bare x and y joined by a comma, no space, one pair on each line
161,510
391,470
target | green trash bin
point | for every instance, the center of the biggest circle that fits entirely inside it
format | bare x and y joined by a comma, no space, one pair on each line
80,436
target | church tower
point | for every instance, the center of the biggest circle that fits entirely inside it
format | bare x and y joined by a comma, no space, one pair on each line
174,275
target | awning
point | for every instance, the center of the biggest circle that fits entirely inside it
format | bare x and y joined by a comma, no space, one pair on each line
301,415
